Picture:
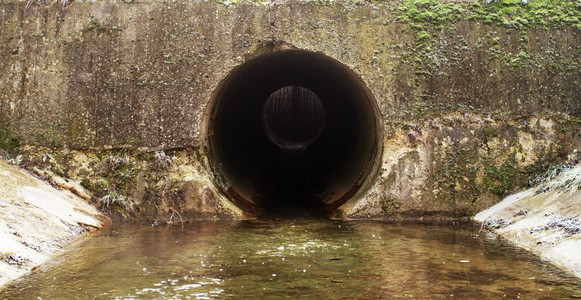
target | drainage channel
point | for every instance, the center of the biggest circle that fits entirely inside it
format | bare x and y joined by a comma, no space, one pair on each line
293,129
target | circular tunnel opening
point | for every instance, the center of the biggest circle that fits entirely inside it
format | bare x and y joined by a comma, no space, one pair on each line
293,117
292,129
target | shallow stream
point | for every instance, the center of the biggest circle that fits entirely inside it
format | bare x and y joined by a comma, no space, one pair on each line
303,258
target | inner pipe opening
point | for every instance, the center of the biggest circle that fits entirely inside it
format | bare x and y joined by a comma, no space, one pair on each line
293,118
292,129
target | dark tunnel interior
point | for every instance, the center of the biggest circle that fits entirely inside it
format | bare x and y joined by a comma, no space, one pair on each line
292,130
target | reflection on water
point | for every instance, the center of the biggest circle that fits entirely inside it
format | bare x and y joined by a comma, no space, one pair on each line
293,259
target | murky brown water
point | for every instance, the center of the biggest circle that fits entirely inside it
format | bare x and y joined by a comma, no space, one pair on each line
276,259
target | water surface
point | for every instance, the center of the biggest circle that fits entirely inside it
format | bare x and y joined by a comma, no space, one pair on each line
305,258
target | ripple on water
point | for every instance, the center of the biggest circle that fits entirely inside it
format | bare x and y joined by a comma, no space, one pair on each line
294,259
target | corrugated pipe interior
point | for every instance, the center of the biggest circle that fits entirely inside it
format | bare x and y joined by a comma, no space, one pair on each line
293,129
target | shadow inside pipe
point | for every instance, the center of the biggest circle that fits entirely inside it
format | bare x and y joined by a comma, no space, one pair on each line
292,131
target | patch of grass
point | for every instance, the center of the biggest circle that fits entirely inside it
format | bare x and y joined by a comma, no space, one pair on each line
115,199
162,160
567,180
548,175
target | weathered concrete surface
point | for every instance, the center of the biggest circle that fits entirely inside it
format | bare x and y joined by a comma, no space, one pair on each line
92,74
470,109
453,167
158,186
546,224
36,220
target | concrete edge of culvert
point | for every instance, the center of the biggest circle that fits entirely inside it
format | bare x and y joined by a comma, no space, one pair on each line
343,208
546,224
37,220
230,103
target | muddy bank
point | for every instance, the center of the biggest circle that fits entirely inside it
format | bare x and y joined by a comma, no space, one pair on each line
36,220
545,223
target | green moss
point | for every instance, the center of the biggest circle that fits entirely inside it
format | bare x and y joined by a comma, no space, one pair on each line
86,183
100,29
445,177
490,132
228,3
422,36
503,178
9,143
518,61
389,205
573,120
416,26
429,18
452,30
10,147
420,109
515,14
523,37
429,12
494,51
506,13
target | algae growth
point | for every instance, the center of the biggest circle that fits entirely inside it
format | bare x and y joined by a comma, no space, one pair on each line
430,20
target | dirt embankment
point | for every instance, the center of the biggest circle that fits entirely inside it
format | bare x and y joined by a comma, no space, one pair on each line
36,220
544,220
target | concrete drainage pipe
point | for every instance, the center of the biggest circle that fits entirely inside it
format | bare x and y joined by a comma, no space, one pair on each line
293,129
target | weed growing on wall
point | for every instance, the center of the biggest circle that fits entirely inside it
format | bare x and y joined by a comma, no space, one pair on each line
115,199
568,180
